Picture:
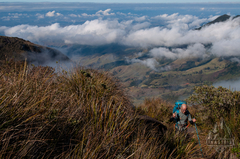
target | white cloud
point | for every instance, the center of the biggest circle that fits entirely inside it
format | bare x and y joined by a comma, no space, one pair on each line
196,50
99,13
151,62
167,17
105,12
224,36
58,14
120,13
162,52
226,48
52,14
6,18
95,32
235,60
3,28
14,16
184,21
85,14
140,19
178,35
40,16
165,68
141,26
156,36
73,15
7,8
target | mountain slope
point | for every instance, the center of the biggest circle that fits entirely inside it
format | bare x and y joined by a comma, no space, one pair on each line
19,49
221,18
140,81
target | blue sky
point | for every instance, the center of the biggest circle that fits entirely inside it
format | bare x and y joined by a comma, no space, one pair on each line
127,1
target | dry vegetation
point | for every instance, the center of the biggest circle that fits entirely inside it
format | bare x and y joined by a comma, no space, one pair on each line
84,113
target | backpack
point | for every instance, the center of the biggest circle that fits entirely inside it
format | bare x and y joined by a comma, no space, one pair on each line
178,105
176,109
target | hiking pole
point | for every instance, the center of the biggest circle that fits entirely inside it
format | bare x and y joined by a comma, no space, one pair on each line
198,139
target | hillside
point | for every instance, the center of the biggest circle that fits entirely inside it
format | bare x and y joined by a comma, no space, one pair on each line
84,113
170,79
140,81
19,49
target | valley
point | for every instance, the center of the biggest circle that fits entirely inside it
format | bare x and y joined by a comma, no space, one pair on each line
176,82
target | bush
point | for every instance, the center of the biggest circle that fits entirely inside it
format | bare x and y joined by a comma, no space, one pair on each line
216,102
213,103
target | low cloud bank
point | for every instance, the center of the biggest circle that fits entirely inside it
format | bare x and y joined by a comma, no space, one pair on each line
178,30
194,50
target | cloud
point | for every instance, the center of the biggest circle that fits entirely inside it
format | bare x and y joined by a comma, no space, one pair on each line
184,21
224,37
196,50
95,32
106,12
140,19
40,16
58,14
74,15
151,62
99,13
235,59
140,26
177,35
163,52
14,16
120,13
165,68
226,48
7,8
52,14
150,37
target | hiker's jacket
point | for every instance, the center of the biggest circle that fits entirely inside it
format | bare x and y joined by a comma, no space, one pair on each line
182,119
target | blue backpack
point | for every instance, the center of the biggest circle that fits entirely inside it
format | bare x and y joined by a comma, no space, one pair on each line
178,105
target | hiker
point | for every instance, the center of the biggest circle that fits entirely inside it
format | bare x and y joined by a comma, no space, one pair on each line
181,117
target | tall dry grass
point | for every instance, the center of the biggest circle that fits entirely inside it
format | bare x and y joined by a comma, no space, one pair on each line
82,113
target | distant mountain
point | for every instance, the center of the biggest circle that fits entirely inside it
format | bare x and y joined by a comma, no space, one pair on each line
222,18
19,49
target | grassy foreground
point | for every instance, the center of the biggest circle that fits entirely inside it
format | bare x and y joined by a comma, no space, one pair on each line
84,113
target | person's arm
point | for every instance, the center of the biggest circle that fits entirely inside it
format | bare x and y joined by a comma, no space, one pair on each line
190,119
173,117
